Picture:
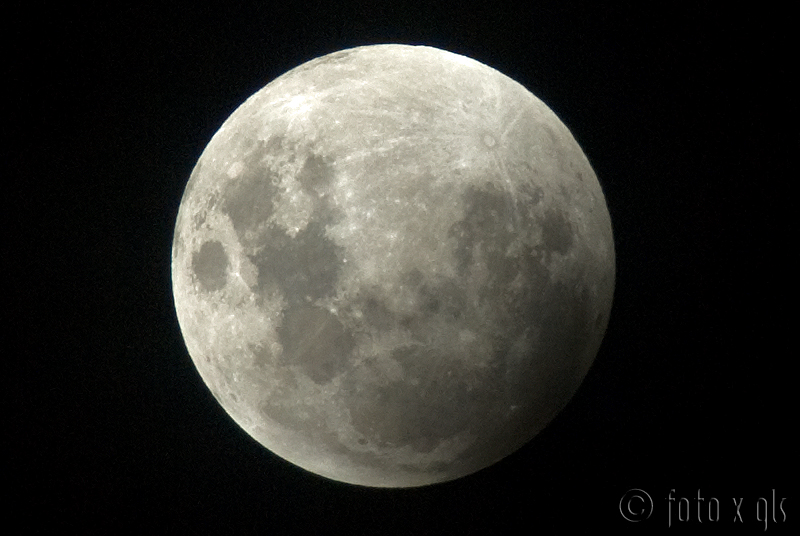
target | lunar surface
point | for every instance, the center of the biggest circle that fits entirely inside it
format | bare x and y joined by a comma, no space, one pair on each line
393,266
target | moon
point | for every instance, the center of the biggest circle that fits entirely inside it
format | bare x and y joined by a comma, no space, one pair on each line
393,266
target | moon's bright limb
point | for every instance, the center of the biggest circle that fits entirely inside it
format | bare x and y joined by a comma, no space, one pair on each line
393,265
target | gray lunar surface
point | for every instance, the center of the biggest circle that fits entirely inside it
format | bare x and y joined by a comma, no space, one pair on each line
393,266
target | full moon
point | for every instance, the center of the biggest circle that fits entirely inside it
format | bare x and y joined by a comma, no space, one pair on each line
393,266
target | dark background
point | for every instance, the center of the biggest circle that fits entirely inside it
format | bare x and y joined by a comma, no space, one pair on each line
688,116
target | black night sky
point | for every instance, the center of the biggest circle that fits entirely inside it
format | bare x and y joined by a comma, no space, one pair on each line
688,116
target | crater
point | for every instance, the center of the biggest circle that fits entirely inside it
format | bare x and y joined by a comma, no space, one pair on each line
316,340
210,265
